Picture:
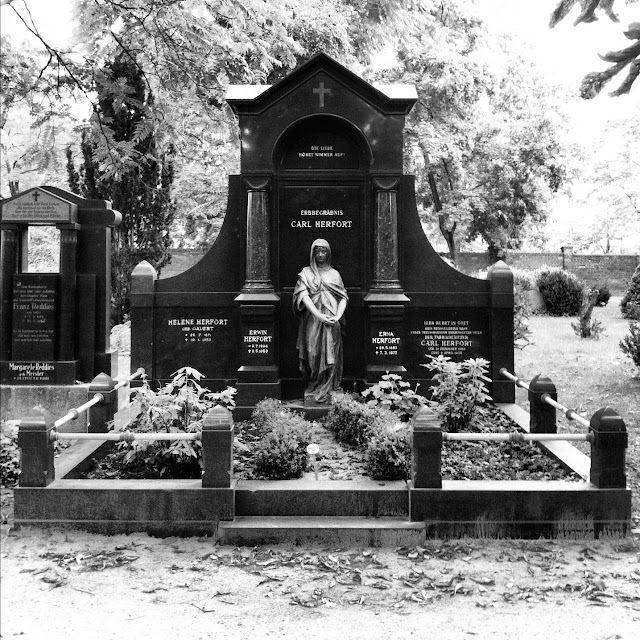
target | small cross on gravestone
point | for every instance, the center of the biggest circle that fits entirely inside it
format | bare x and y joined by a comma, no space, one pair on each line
321,91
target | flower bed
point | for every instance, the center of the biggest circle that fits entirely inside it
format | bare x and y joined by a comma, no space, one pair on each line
460,460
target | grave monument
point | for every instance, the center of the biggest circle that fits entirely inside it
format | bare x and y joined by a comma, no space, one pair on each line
54,327
321,157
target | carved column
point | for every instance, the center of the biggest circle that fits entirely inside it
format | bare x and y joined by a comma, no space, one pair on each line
258,236
258,375
67,292
385,266
385,300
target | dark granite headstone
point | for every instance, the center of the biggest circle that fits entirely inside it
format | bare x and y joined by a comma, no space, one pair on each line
54,327
322,157
34,316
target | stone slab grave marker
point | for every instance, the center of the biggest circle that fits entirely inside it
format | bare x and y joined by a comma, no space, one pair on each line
54,327
321,157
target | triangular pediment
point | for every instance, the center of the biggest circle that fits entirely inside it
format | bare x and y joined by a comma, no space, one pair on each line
323,72
38,206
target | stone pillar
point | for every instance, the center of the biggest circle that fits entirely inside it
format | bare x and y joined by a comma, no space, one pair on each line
608,450
258,375
542,415
102,413
67,292
258,236
217,448
567,257
426,459
143,280
385,250
385,300
9,251
501,287
36,450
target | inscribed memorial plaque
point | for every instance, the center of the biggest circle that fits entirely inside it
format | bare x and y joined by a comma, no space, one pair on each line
34,316
331,212
37,206
456,333
205,339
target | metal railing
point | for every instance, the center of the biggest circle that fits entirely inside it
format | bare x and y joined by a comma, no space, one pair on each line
97,398
569,413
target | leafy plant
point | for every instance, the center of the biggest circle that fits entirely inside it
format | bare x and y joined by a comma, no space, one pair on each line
9,454
354,423
389,455
179,406
395,394
630,303
561,291
459,390
630,344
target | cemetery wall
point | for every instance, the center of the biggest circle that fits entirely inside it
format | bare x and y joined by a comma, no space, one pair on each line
616,270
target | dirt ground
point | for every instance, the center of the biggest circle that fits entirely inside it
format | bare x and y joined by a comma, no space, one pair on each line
74,585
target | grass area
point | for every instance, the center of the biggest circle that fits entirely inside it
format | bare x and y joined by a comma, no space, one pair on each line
588,374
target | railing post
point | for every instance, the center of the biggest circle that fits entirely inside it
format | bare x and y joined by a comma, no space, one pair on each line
608,450
426,460
543,415
36,449
217,448
103,412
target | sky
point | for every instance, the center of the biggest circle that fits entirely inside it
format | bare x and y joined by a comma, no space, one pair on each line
566,53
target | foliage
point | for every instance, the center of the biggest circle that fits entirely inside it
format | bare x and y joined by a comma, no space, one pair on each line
459,390
593,82
355,423
561,291
630,303
483,138
142,192
35,118
179,406
389,455
9,454
522,285
281,452
395,394
630,344
586,327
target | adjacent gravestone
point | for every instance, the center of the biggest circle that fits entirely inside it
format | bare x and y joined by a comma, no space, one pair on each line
322,157
54,327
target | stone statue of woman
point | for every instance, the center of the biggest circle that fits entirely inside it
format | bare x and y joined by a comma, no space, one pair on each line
320,300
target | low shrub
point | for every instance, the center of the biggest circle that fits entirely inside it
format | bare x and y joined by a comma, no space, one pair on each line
281,451
9,454
354,423
561,291
586,327
459,390
630,344
388,455
604,295
395,394
630,303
